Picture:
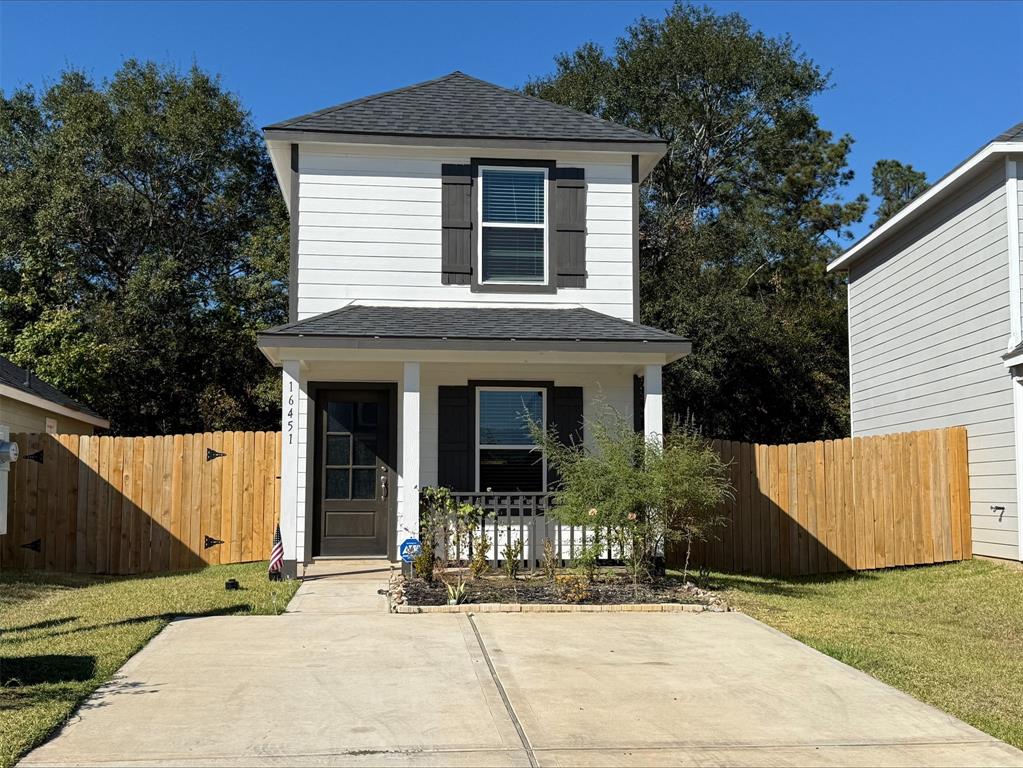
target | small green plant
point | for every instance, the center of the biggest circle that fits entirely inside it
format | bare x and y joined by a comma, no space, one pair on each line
550,560
587,559
512,554
456,592
479,566
424,563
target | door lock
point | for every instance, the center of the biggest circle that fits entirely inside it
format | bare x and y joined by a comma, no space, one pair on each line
383,483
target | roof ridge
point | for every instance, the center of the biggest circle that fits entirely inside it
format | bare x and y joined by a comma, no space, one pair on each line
336,111
362,100
562,107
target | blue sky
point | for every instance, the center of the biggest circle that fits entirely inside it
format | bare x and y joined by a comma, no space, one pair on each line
925,83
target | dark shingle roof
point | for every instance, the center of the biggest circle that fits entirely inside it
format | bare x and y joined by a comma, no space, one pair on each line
1013,134
457,105
12,375
472,323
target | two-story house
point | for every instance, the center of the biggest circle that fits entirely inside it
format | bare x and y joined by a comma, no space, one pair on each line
936,328
464,259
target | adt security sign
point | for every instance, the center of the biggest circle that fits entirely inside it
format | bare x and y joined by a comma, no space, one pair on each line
409,549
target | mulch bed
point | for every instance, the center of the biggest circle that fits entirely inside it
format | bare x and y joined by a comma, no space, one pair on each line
608,589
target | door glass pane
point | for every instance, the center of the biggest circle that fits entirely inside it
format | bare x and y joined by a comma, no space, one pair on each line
339,449
511,471
339,417
365,450
363,486
365,416
505,416
337,484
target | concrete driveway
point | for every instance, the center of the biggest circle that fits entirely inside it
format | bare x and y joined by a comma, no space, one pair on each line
336,681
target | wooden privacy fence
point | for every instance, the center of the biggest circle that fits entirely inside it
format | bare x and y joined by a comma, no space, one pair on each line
122,505
836,505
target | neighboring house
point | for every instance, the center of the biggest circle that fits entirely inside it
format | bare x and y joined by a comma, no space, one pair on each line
935,330
462,256
29,404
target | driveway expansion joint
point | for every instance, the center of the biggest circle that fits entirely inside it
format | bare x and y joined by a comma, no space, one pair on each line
504,695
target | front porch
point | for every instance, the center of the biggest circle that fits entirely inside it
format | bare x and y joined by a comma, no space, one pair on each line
367,425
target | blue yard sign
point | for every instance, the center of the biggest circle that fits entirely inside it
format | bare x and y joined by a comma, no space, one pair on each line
409,549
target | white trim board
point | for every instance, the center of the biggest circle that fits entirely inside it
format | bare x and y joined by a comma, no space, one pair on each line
932,195
49,405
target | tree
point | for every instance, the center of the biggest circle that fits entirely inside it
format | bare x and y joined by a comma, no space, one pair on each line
738,220
897,185
142,244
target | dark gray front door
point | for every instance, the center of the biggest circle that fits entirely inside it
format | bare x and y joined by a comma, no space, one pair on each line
354,432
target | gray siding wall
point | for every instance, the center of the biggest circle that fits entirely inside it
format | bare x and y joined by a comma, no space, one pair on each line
928,323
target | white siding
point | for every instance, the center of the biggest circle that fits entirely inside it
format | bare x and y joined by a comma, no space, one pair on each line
370,230
928,323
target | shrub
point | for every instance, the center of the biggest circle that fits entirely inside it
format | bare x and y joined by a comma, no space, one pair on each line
550,559
479,566
640,493
512,554
444,524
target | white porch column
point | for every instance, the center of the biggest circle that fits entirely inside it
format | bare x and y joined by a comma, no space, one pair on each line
408,503
653,406
291,395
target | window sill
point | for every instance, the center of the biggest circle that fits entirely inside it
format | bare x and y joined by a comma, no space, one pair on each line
513,287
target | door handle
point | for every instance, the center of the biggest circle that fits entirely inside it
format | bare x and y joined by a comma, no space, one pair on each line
383,483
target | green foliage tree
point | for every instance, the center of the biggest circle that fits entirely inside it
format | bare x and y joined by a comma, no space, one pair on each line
738,220
897,185
143,242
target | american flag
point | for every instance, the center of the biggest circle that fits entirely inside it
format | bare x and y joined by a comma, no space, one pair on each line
276,556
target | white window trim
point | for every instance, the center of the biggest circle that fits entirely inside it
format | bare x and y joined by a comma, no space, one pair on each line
514,225
492,446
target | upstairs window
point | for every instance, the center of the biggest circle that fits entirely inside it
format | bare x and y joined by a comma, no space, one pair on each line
513,232
508,459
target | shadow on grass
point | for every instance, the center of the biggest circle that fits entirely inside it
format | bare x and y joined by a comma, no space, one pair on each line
227,610
789,586
19,671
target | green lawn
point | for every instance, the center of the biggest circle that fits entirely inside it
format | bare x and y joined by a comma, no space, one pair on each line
950,635
61,636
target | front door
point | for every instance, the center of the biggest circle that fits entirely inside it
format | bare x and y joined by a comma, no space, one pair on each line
353,476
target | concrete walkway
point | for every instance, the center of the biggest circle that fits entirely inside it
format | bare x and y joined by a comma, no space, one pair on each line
338,681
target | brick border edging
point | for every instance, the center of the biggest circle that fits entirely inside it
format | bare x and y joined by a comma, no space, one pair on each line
560,608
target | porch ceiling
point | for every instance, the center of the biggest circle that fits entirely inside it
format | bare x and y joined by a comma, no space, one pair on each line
438,332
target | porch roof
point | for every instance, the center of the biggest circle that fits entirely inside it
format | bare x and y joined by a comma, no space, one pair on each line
573,329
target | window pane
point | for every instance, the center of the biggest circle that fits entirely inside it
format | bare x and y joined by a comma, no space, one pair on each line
505,416
339,449
511,471
513,255
362,484
365,450
339,417
337,484
513,196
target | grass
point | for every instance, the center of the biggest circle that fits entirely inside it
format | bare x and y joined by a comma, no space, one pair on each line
62,635
950,635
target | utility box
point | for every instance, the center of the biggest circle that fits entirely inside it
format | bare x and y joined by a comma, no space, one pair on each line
8,455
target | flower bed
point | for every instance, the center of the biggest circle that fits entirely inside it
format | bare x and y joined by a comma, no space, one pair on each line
608,589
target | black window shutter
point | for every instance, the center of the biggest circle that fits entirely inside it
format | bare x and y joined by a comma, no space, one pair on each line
455,446
570,226
567,418
456,224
